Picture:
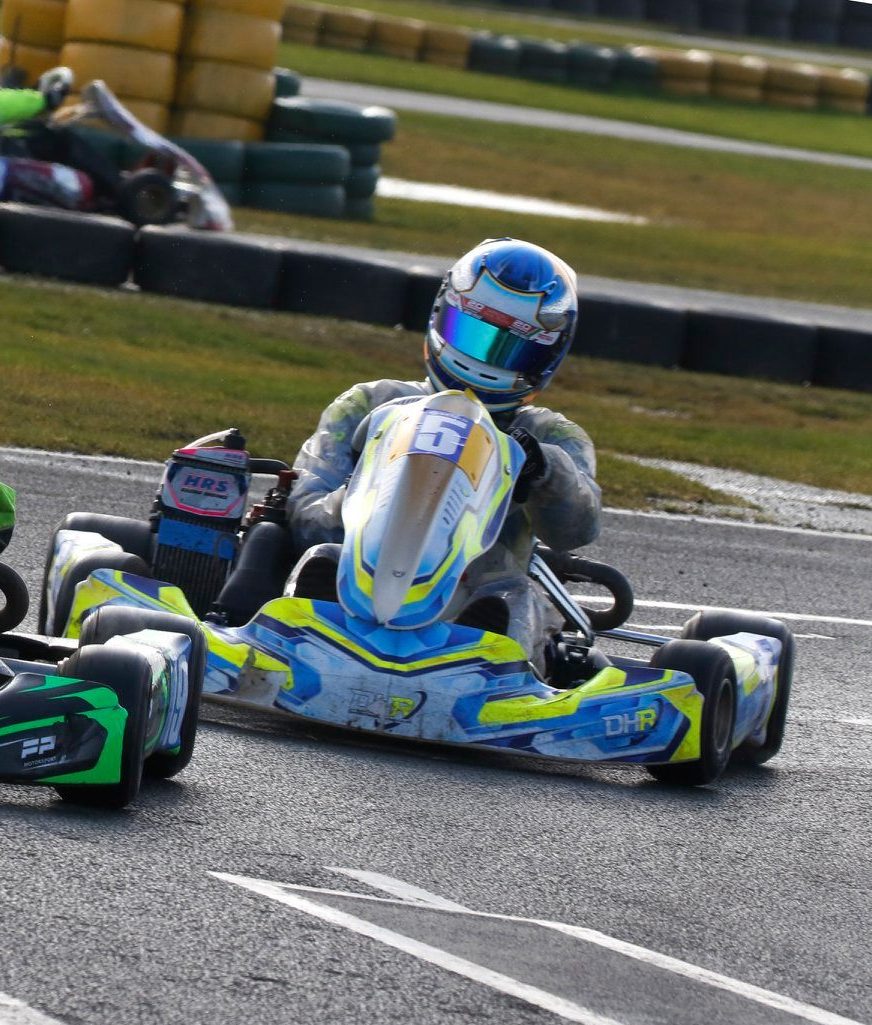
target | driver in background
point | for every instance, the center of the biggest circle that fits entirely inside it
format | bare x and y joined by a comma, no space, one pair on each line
501,324
24,104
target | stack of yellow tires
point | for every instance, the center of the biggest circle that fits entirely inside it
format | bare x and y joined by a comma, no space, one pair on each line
225,82
132,45
32,35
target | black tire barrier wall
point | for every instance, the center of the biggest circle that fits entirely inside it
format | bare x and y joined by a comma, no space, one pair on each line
828,22
274,273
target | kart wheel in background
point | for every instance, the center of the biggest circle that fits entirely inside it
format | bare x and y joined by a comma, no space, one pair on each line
706,625
113,620
134,536
147,197
14,599
715,677
128,673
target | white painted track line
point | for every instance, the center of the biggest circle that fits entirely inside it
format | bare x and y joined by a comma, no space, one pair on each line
16,1012
565,1009
756,994
397,888
802,617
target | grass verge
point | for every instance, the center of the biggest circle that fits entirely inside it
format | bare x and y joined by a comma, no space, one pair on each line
97,371
826,131
720,221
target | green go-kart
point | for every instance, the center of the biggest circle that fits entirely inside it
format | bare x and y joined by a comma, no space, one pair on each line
89,717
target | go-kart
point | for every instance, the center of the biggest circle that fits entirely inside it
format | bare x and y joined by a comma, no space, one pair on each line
56,165
357,636
88,717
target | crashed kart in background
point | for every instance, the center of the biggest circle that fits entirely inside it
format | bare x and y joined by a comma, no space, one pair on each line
169,185
89,717
359,642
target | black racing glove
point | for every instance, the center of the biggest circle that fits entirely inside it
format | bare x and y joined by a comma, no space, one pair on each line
534,467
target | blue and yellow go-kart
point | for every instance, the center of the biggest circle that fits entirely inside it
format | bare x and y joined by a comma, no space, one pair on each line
88,717
358,637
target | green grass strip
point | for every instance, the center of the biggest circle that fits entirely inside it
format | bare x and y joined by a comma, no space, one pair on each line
136,375
827,131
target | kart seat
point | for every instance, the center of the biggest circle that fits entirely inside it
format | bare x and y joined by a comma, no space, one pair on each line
490,613
314,576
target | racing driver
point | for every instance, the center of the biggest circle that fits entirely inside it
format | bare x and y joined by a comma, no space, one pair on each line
501,324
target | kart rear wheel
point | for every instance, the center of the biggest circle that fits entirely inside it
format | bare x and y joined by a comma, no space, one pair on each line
129,675
147,197
112,620
715,677
134,536
705,625
15,599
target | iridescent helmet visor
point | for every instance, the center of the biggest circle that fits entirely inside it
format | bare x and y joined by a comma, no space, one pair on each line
496,346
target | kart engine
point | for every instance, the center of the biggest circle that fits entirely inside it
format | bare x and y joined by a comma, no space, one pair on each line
198,512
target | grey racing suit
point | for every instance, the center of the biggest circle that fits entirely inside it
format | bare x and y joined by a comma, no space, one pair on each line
562,510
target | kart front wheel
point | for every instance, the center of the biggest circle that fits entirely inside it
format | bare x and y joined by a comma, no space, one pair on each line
147,197
113,620
706,625
128,673
715,677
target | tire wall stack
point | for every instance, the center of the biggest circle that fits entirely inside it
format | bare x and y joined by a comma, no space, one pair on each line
225,82
642,69
33,34
132,45
299,124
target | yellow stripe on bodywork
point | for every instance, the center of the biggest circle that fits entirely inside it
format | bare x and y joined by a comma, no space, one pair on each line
300,613
688,701
746,666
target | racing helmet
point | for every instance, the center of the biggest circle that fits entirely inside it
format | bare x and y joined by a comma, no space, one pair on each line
501,323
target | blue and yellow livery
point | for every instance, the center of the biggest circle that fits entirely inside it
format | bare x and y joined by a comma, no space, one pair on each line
428,496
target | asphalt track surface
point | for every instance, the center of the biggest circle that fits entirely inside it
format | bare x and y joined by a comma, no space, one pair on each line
485,110
192,906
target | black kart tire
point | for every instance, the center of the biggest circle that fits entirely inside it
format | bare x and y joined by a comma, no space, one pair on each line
713,672
15,598
129,675
706,625
134,536
147,197
112,620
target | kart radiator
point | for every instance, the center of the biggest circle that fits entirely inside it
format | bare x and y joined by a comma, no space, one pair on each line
198,510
